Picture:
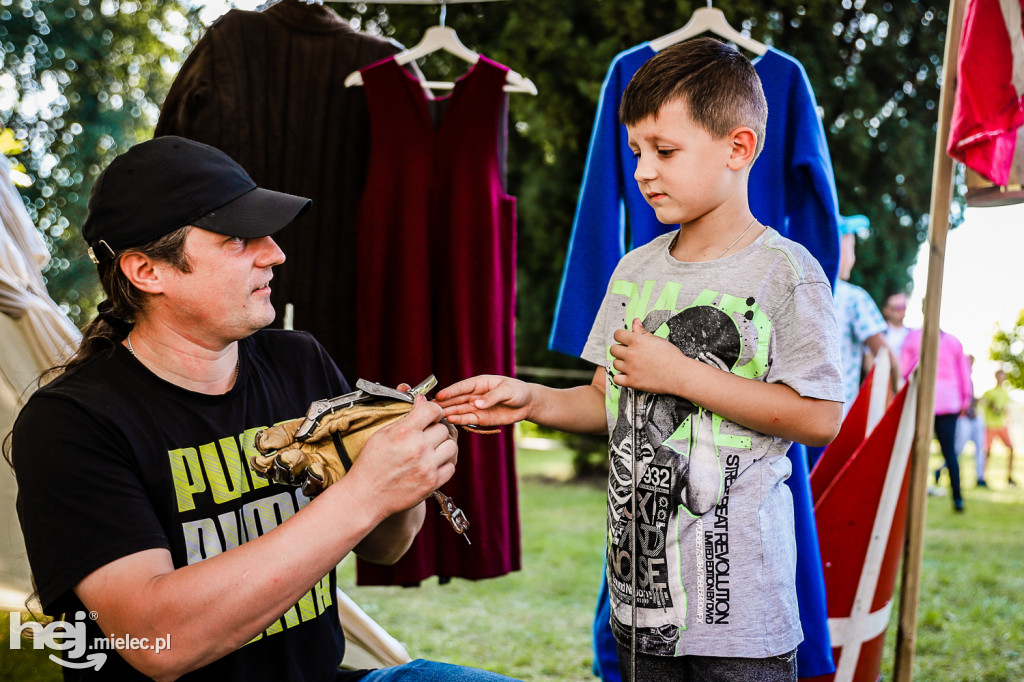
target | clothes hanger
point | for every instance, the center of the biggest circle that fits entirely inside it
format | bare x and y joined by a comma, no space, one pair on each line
445,38
708,19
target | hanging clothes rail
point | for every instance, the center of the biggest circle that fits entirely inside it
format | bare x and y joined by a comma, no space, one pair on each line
708,19
445,38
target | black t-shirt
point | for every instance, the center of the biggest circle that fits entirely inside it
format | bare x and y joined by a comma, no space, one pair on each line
112,460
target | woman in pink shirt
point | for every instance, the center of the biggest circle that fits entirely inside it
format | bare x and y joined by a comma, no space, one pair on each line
953,390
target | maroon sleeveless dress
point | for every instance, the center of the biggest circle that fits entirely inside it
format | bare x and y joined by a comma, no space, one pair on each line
435,288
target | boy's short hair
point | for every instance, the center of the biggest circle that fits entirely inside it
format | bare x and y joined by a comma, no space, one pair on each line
719,86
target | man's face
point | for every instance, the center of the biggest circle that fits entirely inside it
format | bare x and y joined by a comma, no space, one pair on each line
226,296
895,309
680,168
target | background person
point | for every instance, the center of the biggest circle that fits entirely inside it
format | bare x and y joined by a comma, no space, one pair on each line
953,395
971,427
994,405
894,310
861,325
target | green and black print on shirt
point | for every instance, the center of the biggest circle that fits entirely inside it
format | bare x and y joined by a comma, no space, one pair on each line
715,554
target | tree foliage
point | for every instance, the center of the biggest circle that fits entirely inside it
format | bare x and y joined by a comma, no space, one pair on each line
80,82
875,69
1008,349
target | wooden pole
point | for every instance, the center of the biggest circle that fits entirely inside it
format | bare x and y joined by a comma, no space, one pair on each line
942,191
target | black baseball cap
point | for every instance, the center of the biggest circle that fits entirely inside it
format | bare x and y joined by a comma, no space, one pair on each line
168,182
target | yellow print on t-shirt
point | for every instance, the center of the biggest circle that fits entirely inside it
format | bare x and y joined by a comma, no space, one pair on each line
216,473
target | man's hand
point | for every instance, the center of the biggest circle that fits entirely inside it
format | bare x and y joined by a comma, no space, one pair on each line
486,400
407,460
644,361
329,451
144,593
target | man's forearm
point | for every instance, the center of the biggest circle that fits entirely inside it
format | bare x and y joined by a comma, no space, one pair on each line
393,536
217,605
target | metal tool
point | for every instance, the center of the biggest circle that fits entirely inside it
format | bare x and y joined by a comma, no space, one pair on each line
633,563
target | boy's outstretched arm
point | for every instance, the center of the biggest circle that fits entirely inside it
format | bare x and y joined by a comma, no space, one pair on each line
489,400
651,363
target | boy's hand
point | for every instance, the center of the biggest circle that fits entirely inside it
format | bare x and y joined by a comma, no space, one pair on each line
486,400
644,361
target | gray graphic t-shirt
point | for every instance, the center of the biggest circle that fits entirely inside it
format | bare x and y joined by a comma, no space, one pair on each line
716,554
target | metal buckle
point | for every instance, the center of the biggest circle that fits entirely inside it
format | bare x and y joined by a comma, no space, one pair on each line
456,517
380,391
92,254
367,390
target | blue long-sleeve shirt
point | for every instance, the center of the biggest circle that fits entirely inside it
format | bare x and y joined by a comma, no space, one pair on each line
791,188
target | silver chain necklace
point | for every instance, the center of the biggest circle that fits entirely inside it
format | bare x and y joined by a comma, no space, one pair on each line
726,250
128,342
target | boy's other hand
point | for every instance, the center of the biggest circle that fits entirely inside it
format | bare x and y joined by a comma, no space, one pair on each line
486,400
644,361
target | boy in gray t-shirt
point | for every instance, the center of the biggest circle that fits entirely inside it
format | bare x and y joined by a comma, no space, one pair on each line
716,347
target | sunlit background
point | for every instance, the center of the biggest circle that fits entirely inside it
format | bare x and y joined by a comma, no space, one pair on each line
983,282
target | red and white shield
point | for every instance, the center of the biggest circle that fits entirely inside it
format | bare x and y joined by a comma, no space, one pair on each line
860,488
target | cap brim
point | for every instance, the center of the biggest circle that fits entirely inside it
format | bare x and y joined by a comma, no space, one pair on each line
257,213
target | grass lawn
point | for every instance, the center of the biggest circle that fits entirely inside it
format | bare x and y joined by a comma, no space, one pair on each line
970,617
535,624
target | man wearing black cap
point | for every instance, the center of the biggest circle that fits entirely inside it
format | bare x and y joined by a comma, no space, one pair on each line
136,501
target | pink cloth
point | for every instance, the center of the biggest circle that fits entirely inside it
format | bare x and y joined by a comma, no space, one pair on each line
987,109
953,387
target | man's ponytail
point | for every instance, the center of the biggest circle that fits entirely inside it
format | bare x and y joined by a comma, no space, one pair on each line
116,315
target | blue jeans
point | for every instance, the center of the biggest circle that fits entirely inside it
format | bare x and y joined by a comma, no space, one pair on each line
972,429
431,671
709,668
945,433
606,654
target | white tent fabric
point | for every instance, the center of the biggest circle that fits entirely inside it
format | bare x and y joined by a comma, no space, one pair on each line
51,335
367,644
34,335
19,227
18,372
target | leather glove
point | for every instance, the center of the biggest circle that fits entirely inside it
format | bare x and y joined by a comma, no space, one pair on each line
323,456
315,451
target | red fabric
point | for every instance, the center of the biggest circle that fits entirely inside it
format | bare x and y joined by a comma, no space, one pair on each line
436,294
845,513
840,450
986,110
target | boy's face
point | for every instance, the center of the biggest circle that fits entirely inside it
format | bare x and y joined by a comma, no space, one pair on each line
682,170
